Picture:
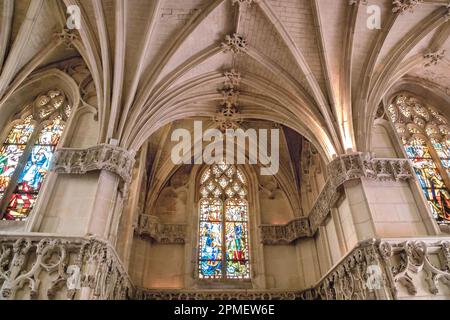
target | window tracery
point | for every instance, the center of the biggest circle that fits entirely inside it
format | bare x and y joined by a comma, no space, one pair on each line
27,151
223,234
424,133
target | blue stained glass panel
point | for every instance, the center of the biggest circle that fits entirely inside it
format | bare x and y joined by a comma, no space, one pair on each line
210,241
211,269
36,169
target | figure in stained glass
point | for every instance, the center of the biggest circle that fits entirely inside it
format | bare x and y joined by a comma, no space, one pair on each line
33,154
223,215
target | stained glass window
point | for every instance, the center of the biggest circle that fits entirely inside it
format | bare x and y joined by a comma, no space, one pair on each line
223,240
27,152
426,144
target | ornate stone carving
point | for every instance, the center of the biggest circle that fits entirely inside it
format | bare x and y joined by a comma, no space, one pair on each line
67,36
285,234
433,58
228,114
387,269
414,260
232,79
102,157
342,169
235,43
151,227
401,6
246,3
145,294
61,268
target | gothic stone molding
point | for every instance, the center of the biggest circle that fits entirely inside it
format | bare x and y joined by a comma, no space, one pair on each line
151,227
345,168
34,267
102,157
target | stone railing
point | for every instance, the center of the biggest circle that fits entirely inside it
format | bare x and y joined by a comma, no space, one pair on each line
146,294
47,267
384,269
151,227
285,234
390,269
102,157
345,168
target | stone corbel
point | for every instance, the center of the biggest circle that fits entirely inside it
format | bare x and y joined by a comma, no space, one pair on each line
102,157
150,227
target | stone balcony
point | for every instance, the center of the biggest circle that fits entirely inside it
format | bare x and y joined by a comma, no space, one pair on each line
384,269
45,267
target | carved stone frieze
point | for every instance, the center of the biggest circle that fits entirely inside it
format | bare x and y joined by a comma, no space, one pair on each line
102,157
285,234
151,227
145,294
61,268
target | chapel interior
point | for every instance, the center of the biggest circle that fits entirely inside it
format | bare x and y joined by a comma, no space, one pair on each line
93,207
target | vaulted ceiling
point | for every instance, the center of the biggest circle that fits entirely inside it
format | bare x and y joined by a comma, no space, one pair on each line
311,65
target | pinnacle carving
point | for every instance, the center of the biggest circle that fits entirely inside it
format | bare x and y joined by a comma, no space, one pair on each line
235,43
401,6
228,114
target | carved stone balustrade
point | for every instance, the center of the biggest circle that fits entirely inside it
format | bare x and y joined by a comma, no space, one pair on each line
151,227
390,269
102,157
46,267
345,168
147,294
285,234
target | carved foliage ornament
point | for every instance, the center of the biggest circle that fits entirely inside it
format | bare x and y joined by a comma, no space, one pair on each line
69,264
402,6
151,227
102,157
244,2
235,43
228,114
